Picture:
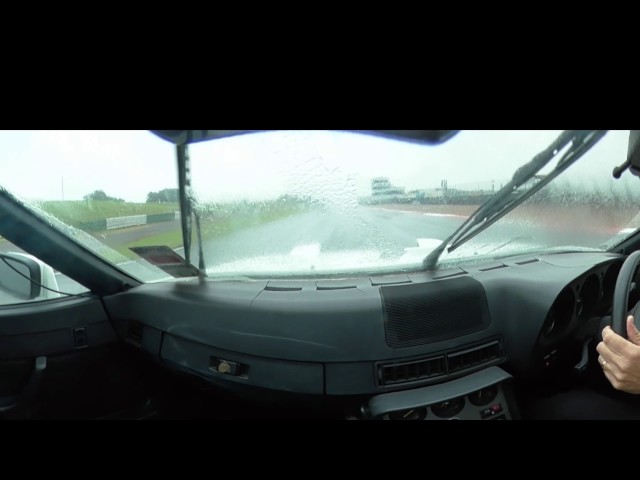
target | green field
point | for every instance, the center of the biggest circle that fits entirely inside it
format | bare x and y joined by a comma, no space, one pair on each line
78,212
217,220
171,239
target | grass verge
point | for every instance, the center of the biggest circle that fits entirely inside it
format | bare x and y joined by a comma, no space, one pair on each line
172,239
212,228
77,212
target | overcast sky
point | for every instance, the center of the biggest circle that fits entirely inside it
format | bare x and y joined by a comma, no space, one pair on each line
130,164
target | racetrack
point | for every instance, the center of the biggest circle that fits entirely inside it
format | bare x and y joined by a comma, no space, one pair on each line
388,232
115,238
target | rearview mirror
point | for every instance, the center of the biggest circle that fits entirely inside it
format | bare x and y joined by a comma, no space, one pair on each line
22,275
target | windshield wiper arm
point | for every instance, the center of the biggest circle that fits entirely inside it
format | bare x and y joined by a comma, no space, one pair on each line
184,182
186,206
507,198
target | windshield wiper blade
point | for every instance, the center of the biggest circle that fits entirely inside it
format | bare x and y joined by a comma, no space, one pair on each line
187,206
507,198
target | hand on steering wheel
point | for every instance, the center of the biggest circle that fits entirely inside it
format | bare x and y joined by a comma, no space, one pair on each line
620,347
621,294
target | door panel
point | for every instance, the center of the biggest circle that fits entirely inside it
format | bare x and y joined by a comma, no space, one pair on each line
85,371
53,327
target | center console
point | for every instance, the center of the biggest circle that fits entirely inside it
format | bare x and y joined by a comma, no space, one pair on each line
484,395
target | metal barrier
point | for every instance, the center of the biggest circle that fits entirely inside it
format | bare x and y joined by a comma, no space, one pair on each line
130,221
161,217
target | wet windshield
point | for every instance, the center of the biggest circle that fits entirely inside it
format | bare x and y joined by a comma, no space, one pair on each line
310,203
313,203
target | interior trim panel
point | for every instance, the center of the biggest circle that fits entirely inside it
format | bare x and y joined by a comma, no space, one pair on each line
52,327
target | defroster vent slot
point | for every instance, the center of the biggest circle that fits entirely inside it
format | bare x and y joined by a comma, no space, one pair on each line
393,374
473,357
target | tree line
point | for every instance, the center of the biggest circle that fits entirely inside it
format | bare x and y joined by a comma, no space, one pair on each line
167,195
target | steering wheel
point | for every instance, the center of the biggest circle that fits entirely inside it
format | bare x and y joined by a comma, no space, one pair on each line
621,295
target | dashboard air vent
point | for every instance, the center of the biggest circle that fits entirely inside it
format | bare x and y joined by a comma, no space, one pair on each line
393,374
473,357
134,333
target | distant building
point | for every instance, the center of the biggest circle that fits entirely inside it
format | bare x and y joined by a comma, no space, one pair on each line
381,186
383,191
426,193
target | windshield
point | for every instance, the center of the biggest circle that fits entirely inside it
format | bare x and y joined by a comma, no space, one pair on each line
315,203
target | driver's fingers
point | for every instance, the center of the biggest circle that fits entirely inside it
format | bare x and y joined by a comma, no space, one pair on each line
609,367
612,379
615,343
606,354
632,332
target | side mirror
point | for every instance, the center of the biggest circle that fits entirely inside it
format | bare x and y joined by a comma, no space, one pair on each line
21,276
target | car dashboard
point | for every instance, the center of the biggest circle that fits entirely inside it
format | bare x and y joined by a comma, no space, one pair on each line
439,345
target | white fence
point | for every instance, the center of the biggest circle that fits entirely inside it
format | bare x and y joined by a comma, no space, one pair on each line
133,220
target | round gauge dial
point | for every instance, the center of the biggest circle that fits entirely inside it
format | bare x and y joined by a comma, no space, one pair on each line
550,324
448,408
484,396
410,414
589,296
560,314
609,283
